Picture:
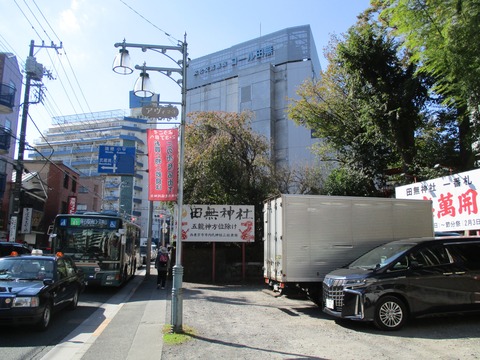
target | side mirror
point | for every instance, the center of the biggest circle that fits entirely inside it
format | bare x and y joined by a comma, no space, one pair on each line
48,281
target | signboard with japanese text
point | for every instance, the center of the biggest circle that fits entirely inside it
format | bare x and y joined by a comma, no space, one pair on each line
116,160
13,229
218,223
72,205
455,200
26,227
160,112
162,164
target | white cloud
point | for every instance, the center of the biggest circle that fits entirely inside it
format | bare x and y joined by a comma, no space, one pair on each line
68,21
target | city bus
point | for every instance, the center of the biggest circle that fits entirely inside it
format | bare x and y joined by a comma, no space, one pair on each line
104,245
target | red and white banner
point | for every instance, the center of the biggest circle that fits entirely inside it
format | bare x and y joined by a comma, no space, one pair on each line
72,205
455,200
218,223
162,164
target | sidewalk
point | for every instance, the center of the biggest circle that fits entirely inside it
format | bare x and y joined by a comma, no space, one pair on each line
128,327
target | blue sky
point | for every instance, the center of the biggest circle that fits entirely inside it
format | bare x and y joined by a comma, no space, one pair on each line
83,80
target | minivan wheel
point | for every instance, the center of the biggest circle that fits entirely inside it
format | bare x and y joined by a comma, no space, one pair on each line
390,313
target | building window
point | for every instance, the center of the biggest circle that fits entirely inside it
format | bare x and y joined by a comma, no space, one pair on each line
74,185
64,209
246,94
65,180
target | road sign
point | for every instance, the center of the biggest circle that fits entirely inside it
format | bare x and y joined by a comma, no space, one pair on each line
118,160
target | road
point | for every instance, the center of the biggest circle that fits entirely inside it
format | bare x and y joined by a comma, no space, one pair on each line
27,343
248,322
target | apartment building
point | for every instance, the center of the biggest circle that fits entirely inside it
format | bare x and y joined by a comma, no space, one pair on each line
10,93
76,139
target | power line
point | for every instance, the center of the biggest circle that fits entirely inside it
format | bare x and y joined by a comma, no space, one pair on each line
148,21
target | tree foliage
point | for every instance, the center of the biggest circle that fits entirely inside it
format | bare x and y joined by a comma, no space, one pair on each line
443,38
367,107
225,161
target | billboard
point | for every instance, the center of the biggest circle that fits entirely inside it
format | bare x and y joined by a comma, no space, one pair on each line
455,201
218,223
162,164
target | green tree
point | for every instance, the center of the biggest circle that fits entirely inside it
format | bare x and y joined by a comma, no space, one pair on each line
367,107
443,38
225,161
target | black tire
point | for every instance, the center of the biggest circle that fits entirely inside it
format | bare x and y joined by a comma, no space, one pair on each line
44,322
74,303
390,313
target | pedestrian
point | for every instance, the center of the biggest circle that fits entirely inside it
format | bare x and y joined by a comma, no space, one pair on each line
162,263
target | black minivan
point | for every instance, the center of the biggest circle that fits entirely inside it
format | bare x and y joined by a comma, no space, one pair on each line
411,277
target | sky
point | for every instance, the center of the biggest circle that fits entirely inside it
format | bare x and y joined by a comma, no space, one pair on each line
82,79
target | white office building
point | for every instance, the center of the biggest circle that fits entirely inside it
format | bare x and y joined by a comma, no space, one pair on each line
260,75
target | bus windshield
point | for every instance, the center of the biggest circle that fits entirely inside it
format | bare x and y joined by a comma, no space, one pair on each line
89,244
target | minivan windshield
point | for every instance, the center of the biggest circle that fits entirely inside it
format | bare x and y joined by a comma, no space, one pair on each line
380,256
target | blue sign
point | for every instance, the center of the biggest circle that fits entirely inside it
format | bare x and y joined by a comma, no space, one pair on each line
118,160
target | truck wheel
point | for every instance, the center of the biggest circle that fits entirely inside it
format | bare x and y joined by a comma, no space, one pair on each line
390,313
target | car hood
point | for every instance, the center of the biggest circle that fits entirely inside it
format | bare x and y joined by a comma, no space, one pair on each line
21,287
350,273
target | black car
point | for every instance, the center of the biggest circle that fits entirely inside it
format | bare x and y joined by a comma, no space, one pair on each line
32,287
413,277
6,248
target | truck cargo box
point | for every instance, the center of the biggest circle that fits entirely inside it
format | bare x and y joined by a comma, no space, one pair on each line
307,236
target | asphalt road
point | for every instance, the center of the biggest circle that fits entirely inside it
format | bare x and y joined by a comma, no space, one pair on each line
248,322
26,343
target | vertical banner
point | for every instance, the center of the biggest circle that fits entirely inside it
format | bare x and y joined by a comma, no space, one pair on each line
72,204
26,227
162,164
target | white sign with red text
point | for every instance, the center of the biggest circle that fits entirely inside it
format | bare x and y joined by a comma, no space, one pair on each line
218,223
455,200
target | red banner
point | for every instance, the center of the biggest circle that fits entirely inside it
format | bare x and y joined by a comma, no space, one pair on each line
162,164
72,204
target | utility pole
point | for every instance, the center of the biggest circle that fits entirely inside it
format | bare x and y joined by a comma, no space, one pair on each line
34,72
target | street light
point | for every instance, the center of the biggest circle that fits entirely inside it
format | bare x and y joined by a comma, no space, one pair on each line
144,90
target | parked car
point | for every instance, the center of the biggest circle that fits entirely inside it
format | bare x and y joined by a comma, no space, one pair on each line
143,254
33,287
6,248
413,277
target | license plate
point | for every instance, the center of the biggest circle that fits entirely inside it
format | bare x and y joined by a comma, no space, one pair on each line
329,303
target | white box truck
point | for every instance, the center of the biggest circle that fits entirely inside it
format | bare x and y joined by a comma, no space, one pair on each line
307,236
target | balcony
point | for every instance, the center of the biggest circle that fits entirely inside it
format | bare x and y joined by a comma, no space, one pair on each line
7,98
